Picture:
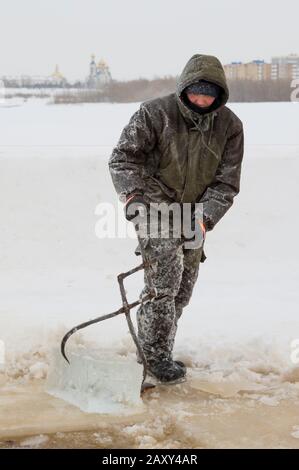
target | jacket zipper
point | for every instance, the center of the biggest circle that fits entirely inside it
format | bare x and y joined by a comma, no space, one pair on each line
187,171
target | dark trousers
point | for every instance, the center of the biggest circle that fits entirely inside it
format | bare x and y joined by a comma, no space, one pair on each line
174,279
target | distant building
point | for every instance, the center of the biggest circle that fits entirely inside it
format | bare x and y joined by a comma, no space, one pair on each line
234,70
258,70
285,67
99,74
255,70
56,79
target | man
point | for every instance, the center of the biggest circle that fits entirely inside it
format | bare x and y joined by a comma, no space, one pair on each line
186,147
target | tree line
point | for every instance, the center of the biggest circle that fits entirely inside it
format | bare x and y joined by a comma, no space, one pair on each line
143,89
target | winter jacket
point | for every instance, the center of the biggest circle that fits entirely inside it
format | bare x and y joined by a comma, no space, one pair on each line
172,153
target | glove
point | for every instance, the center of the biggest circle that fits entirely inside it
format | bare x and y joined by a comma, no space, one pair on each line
136,199
196,222
203,228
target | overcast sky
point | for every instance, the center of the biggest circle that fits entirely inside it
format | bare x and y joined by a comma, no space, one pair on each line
140,37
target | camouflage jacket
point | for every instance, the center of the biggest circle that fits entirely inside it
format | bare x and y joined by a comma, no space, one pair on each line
172,153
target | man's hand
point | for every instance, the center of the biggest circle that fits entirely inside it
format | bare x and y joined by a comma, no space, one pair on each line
134,202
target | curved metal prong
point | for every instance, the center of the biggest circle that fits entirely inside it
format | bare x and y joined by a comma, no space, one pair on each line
64,340
97,320
84,325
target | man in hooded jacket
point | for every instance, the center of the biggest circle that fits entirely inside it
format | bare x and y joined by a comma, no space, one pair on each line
186,147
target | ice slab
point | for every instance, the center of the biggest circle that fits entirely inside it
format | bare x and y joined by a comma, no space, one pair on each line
96,382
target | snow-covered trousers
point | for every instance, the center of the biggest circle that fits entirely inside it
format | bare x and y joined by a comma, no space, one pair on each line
174,279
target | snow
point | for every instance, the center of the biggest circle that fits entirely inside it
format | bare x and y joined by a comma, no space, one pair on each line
35,441
236,333
39,123
295,432
38,370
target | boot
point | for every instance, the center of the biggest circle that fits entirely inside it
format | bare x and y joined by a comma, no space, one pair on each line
180,363
167,370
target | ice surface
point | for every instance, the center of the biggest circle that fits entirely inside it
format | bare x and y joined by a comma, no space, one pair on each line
97,382
54,270
237,331
295,432
35,123
34,441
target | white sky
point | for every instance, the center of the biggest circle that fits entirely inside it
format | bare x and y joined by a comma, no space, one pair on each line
140,37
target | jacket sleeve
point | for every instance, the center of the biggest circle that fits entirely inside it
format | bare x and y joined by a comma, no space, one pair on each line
127,164
219,196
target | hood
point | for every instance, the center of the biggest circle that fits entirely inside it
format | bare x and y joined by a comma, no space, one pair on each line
202,67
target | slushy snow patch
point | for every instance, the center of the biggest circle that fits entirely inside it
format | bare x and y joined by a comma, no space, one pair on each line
34,441
295,432
38,370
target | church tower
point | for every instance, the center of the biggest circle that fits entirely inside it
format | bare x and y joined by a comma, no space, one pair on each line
103,73
92,67
57,77
99,74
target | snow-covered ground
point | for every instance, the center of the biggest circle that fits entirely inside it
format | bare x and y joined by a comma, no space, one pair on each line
236,333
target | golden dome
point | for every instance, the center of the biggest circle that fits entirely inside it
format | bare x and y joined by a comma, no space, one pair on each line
102,64
57,73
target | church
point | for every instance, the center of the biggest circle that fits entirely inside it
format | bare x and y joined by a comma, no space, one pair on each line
99,74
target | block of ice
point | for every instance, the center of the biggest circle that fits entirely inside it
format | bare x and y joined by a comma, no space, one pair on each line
96,382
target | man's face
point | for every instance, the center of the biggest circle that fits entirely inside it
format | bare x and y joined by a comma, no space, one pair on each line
202,101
